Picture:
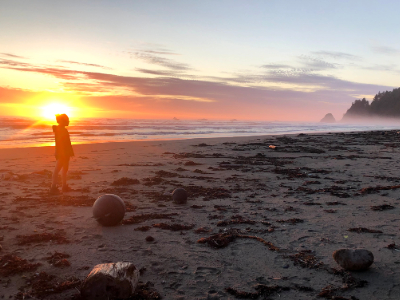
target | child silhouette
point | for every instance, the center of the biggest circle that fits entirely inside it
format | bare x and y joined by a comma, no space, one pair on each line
63,153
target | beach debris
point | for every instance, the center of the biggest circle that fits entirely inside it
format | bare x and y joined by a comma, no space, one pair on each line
125,181
109,210
221,240
173,227
144,217
191,163
203,230
353,259
41,285
306,259
375,189
58,259
330,211
57,238
382,207
110,281
335,203
64,200
179,196
11,264
273,147
393,247
149,238
262,290
142,228
236,219
150,181
166,174
145,291
363,230
197,206
292,221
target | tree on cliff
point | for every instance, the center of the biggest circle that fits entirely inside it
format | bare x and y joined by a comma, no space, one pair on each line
359,109
385,104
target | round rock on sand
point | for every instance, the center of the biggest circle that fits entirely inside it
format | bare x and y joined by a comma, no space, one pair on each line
353,259
179,196
109,210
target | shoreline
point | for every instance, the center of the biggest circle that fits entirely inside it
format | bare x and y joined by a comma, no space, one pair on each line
292,133
306,195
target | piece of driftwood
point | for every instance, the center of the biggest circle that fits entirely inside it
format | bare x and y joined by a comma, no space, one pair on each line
110,281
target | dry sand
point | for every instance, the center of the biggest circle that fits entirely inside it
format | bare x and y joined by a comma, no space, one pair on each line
304,195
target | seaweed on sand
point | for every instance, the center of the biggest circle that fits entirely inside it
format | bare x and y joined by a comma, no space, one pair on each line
57,238
173,227
11,264
43,285
144,217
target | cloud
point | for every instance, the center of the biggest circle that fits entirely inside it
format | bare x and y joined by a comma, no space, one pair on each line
157,72
337,55
12,55
386,50
83,64
212,97
150,58
316,64
276,66
13,63
161,52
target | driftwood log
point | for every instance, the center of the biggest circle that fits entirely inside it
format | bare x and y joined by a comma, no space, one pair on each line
110,281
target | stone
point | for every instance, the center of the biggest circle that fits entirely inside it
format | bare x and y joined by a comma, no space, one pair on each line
329,118
109,210
110,281
149,238
354,259
179,196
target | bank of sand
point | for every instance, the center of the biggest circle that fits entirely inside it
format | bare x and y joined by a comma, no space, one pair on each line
324,184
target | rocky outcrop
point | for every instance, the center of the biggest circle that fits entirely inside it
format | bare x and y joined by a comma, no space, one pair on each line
329,118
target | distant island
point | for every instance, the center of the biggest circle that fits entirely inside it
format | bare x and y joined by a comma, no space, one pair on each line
329,118
384,105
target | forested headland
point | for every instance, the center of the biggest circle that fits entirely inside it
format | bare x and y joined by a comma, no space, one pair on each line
384,105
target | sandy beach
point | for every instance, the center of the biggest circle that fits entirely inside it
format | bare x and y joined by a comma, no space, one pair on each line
275,215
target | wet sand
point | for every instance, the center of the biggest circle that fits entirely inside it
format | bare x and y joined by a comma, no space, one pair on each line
274,216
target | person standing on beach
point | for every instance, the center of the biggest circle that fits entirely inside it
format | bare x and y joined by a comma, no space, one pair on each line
63,153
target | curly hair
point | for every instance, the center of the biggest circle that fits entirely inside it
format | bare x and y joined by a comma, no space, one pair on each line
62,119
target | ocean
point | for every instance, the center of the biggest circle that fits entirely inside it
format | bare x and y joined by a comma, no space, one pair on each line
23,132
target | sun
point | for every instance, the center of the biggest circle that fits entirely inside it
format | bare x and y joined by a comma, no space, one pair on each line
49,111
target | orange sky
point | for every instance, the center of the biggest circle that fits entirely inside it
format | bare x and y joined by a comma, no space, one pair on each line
203,60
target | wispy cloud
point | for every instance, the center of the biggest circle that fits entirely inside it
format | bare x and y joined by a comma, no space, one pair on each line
275,66
157,72
386,50
12,55
316,64
337,55
153,57
83,64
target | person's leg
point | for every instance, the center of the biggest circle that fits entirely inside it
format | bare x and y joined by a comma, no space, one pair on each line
58,167
64,173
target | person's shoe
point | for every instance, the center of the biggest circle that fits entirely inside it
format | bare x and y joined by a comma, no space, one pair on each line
66,189
54,191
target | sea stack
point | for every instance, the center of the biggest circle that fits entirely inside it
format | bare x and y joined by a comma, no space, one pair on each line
329,118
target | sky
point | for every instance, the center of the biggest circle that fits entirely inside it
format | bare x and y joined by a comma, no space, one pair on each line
248,60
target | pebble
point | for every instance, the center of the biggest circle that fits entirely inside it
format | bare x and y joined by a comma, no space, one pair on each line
149,238
353,259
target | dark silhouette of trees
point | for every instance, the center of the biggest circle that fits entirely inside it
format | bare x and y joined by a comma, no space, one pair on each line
384,104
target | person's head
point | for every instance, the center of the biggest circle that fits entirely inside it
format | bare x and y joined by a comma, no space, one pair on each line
62,120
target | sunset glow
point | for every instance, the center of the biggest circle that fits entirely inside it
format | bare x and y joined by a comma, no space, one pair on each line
150,60
50,110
